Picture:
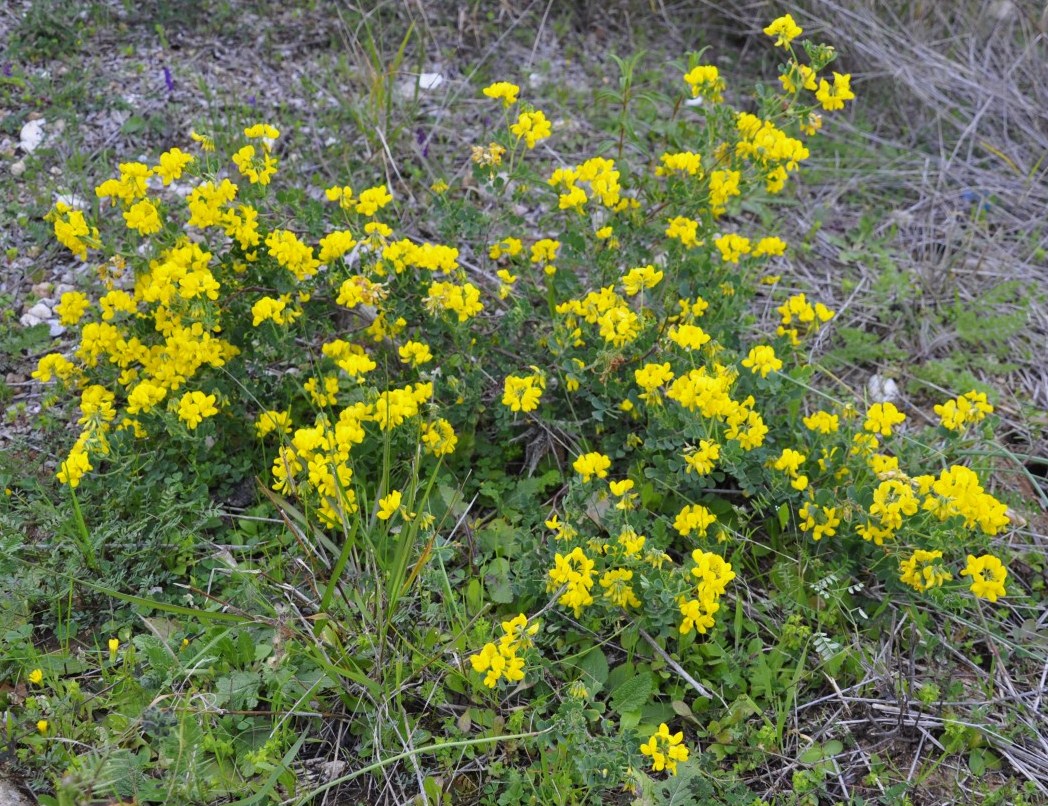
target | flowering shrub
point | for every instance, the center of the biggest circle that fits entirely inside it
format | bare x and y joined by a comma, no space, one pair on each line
684,437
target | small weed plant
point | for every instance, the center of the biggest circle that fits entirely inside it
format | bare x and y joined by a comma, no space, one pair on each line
533,471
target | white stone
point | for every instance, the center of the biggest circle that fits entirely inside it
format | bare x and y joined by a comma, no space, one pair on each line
882,390
28,320
40,311
430,81
18,168
32,135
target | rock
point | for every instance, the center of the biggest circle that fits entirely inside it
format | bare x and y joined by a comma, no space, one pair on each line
10,795
32,135
41,311
882,390
42,289
17,168
57,329
28,320
430,81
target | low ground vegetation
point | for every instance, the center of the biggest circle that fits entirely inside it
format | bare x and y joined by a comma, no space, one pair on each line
515,462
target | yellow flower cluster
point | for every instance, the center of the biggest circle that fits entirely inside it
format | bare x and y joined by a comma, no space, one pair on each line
957,492
701,460
369,202
685,163
822,422
922,570
504,91
72,230
257,165
389,505
798,311
665,749
708,394
769,148
522,393
573,571
618,588
462,300
712,574
784,29
762,361
881,418
590,465
820,521
531,126
705,81
959,413
404,254
988,575
790,462
500,661
694,520
601,176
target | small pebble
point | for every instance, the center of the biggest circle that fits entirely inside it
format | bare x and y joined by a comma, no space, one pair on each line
40,311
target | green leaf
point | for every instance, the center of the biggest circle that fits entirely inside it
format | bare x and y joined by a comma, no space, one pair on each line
239,689
632,694
594,668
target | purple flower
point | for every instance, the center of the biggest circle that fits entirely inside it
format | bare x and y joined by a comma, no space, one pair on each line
7,69
169,81
251,100
423,140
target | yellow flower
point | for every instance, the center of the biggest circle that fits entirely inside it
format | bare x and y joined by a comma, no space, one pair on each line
194,407
114,646
705,80
882,417
388,505
261,130
694,518
820,521
822,422
665,749
921,571
143,218
701,459
988,575
636,280
592,464
785,29
71,307
532,126
373,199
617,588
523,393
684,230
504,91
682,162
832,97
36,677
207,143
762,360
575,572
415,353
257,167
41,726
171,165
732,247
